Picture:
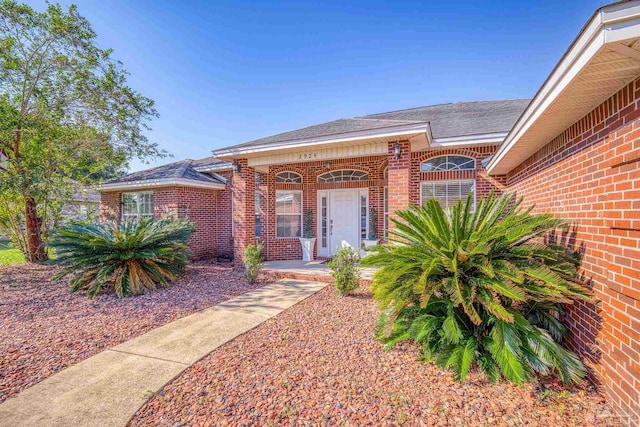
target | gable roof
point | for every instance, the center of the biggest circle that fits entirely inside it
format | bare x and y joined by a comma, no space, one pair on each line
182,172
445,120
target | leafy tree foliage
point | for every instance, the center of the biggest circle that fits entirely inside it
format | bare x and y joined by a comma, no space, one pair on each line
131,258
66,113
479,287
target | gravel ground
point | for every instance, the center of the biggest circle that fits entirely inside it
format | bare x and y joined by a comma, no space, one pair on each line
44,328
317,364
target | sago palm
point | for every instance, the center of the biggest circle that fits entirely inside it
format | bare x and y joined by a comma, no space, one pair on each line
478,286
129,258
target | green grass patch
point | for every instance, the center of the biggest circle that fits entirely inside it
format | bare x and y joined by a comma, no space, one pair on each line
9,254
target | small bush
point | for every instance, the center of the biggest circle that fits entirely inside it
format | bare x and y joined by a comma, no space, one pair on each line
345,270
131,258
253,262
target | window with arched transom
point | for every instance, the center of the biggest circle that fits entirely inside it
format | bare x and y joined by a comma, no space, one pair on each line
448,163
344,175
289,178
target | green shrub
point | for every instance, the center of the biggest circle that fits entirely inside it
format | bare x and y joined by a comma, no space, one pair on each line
478,287
345,270
253,262
131,258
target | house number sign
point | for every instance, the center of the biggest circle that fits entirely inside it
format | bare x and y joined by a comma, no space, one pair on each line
307,156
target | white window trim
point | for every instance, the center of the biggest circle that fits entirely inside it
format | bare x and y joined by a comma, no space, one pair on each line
124,215
475,190
290,214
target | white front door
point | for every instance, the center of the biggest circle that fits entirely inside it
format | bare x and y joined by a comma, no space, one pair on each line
343,220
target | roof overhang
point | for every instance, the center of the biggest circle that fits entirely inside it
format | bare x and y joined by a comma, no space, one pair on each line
221,167
155,183
602,59
420,133
478,139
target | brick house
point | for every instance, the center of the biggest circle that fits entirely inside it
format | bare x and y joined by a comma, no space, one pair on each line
572,150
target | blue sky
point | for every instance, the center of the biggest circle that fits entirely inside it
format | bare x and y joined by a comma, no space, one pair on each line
223,72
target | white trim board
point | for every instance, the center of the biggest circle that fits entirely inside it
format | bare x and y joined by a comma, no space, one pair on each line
154,183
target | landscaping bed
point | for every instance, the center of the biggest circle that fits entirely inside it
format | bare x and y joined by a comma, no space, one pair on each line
44,328
317,363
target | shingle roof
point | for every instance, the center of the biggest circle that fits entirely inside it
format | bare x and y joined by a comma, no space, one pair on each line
183,169
463,118
446,120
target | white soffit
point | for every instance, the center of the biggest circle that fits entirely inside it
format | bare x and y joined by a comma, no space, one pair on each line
603,59
375,148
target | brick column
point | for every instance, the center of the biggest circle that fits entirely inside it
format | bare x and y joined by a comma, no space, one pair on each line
398,179
244,220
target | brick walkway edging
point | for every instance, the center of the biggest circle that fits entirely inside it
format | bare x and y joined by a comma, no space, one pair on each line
108,388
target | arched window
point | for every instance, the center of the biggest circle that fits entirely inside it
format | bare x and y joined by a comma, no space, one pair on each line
289,178
343,175
448,163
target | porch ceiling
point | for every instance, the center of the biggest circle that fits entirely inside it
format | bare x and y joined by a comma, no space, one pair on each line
335,150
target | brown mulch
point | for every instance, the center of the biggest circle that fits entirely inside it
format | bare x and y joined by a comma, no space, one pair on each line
318,364
44,328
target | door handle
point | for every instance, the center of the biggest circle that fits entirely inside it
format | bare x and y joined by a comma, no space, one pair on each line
330,227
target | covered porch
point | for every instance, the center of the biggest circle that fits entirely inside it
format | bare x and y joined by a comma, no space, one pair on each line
340,195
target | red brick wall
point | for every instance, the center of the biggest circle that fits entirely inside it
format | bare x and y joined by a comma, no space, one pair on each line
197,205
590,175
110,206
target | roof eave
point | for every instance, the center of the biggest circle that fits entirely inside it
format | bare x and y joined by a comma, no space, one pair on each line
390,131
214,168
476,139
155,183
610,24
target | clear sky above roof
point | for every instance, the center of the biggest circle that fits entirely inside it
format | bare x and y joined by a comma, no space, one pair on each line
226,72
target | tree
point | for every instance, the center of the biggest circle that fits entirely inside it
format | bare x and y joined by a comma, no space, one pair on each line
66,113
479,287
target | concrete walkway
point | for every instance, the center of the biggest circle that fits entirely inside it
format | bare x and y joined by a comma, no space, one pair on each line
108,388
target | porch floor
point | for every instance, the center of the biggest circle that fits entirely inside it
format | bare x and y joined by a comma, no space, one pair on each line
310,270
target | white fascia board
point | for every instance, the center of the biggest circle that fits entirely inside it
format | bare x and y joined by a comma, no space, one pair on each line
214,168
609,24
479,139
154,183
330,139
